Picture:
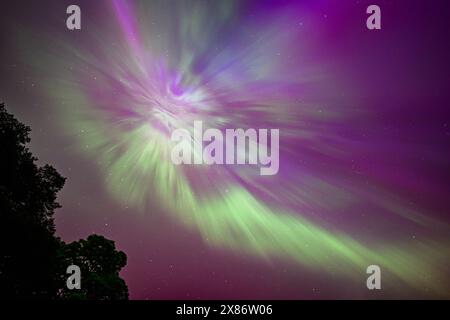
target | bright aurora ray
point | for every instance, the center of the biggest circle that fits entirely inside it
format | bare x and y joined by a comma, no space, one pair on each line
149,68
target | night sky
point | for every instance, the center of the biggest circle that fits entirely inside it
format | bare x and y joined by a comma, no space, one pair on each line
364,140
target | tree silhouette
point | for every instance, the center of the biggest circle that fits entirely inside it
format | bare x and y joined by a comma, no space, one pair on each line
100,264
32,260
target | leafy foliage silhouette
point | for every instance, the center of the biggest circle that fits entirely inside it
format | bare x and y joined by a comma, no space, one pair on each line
33,260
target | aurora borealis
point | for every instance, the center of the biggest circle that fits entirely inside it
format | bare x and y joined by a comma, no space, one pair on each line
364,136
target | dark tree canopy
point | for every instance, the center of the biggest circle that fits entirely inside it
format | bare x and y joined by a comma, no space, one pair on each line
32,259
100,264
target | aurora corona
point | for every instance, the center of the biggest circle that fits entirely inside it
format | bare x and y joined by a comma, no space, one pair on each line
151,86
